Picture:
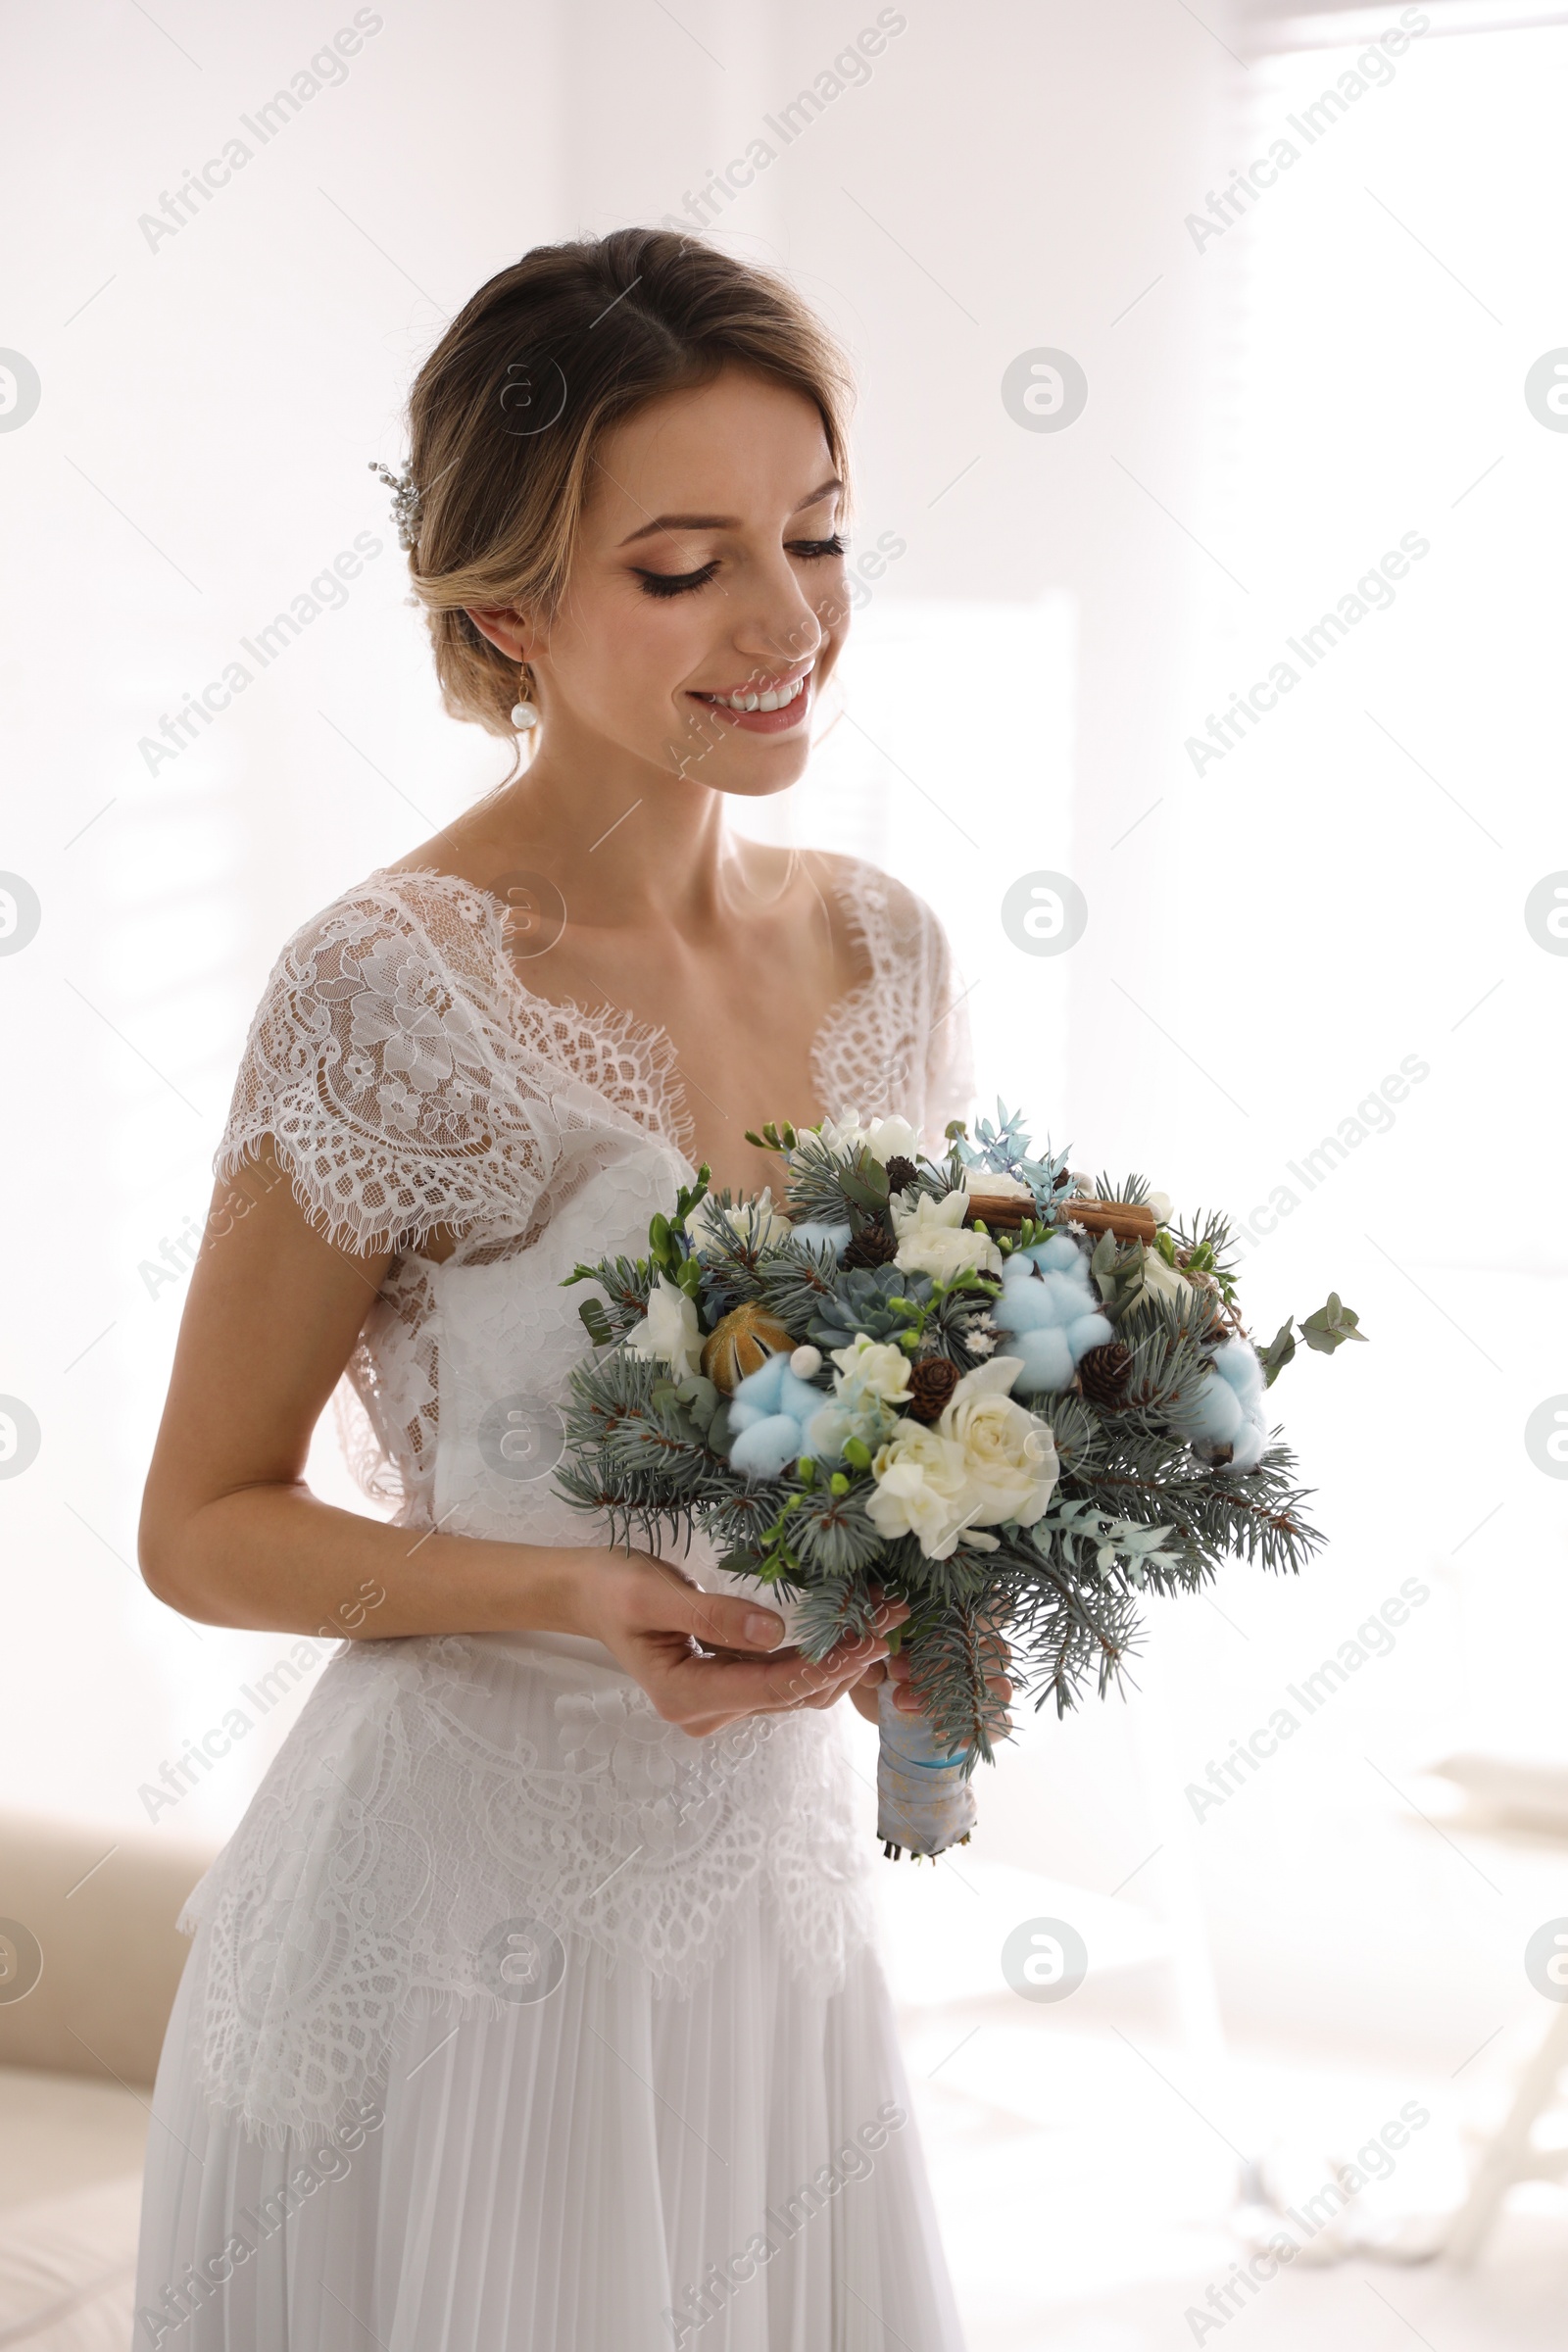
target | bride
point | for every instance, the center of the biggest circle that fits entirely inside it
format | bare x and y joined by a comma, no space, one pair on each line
534,2003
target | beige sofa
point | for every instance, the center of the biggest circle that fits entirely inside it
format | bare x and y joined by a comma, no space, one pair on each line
90,1959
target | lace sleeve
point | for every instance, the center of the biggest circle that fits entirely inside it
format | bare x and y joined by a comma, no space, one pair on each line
374,1074
949,1051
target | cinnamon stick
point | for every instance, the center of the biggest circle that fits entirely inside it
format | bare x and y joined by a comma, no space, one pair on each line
1128,1220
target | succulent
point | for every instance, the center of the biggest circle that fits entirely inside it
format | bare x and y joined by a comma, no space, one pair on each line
862,1303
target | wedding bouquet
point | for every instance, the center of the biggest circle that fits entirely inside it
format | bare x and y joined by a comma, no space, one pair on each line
981,1385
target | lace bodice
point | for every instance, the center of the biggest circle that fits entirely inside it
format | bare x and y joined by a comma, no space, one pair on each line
437,1794
410,1079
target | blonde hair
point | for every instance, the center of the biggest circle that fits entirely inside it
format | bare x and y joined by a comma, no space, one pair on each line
506,413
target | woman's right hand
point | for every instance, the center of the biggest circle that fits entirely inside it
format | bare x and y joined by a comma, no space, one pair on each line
706,1658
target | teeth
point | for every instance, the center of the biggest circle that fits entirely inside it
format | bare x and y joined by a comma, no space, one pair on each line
773,701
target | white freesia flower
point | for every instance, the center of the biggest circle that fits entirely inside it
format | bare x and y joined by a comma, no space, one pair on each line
703,1222
668,1333
1009,1458
934,1240
884,1139
920,1490
871,1375
872,1364
1159,1203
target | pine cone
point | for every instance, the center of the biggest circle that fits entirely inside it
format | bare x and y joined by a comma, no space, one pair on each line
872,1246
902,1173
1102,1373
932,1382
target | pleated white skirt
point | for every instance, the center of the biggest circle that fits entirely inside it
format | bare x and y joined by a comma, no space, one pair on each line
599,2171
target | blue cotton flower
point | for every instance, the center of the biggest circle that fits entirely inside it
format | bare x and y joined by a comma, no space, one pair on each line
1052,1317
1226,1409
768,1412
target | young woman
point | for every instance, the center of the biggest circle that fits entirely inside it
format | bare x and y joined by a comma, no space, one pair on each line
533,2003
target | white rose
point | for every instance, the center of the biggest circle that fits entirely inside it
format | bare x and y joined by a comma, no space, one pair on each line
934,1240
883,1138
1162,1280
668,1333
873,1365
1009,1458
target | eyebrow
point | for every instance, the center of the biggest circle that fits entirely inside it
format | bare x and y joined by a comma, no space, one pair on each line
720,523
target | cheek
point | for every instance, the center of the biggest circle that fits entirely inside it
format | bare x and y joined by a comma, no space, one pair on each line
630,653
832,605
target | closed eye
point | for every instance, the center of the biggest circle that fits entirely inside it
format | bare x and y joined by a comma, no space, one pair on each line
682,583
676,583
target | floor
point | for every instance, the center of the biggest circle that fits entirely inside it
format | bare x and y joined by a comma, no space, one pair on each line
1088,2183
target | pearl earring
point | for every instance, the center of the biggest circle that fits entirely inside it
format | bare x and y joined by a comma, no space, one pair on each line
524,714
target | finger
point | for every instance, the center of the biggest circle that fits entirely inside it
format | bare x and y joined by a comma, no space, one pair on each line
722,1621
841,1665
696,1688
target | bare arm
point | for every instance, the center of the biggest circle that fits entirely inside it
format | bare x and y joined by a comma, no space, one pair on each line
231,1535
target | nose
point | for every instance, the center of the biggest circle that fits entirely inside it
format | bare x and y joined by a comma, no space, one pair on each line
779,625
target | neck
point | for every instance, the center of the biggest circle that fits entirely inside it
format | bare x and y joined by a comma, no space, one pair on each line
626,842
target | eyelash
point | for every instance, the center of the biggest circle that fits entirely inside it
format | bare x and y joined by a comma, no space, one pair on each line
682,583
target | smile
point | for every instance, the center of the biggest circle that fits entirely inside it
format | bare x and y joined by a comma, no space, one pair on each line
775,706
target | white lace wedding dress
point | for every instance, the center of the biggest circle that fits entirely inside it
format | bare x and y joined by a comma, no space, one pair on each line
515,2020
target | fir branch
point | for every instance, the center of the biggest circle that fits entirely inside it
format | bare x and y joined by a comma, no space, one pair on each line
627,1283
798,1281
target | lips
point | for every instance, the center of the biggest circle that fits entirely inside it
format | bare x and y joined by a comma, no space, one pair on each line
765,707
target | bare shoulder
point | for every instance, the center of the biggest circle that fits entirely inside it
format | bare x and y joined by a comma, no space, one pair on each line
866,888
